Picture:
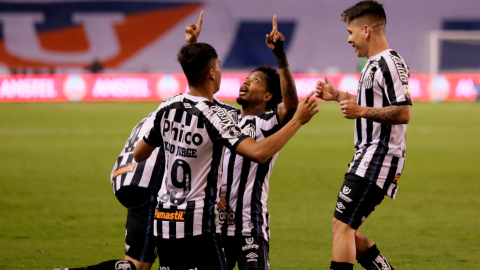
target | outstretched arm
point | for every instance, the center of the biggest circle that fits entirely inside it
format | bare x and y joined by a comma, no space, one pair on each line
263,150
192,31
327,91
276,42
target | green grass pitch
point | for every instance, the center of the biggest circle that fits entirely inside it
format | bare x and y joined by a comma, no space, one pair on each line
57,208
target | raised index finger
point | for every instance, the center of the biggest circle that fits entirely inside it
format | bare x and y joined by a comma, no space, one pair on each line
200,19
274,22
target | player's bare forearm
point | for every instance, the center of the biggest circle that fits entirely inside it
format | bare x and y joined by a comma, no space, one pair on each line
287,108
392,115
263,150
343,96
142,151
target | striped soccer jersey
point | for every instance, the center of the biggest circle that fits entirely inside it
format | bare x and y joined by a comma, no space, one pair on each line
380,149
194,133
247,182
146,174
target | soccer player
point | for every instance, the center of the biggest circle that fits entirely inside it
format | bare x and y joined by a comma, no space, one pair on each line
381,110
136,186
245,220
194,130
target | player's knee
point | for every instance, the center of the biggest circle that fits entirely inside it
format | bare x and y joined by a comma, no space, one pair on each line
338,227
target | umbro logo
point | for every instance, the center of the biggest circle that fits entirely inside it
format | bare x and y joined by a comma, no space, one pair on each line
340,206
187,105
252,255
346,190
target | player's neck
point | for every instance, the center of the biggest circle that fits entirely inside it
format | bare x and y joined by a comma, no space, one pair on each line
376,46
202,91
253,110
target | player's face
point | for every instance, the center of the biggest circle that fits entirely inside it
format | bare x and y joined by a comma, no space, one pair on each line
253,90
356,37
218,75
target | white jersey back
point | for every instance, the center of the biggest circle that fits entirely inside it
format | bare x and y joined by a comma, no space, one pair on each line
380,149
247,182
194,133
146,174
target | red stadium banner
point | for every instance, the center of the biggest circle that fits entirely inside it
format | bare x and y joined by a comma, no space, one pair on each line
157,87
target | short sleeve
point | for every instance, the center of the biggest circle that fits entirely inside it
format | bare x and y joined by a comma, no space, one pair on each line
393,78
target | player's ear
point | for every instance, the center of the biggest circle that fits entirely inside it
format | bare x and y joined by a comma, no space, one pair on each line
211,74
367,30
267,96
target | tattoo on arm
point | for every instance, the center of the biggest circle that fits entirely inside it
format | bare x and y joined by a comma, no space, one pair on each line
342,96
391,115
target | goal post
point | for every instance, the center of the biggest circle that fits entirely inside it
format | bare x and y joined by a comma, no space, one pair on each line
446,35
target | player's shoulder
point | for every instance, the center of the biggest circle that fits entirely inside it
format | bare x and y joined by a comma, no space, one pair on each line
391,57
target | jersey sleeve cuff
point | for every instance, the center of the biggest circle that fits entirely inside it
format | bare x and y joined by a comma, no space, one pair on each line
150,142
406,102
240,139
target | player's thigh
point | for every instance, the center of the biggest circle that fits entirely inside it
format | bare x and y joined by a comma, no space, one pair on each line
356,200
231,248
202,252
253,253
139,239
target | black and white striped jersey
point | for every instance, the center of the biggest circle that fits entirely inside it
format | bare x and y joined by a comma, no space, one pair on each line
146,174
380,149
194,133
247,182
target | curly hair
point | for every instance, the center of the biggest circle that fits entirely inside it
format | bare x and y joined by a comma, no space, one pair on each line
369,8
273,86
196,59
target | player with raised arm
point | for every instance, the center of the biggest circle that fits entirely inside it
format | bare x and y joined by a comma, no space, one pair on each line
381,110
194,129
245,219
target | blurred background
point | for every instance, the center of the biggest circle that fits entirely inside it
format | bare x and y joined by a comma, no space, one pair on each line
439,40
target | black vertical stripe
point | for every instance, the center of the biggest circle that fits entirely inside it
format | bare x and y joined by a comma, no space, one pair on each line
241,191
388,80
189,218
211,191
172,225
188,119
138,173
158,171
230,169
124,176
256,202
178,115
392,173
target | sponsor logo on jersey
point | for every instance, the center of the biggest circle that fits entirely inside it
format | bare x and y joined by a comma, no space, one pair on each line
170,215
402,72
225,121
228,216
252,257
346,190
130,167
179,135
123,265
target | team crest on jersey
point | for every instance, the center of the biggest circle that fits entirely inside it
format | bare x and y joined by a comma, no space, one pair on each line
369,76
249,240
250,130
401,70
346,190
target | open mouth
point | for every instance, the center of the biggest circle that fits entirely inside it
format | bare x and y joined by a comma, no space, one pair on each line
243,90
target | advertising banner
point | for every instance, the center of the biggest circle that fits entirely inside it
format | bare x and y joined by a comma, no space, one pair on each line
157,87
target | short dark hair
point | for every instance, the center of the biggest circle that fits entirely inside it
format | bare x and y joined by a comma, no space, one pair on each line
274,85
196,59
369,8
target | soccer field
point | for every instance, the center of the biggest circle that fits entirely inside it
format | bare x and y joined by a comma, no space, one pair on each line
57,207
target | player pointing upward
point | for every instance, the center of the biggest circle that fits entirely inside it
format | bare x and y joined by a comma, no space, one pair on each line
381,110
194,130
